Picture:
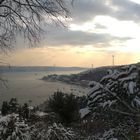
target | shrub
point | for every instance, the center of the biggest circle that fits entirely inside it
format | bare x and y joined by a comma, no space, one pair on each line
41,131
5,108
59,132
65,105
12,128
13,107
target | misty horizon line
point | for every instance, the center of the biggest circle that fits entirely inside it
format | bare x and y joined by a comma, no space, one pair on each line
59,66
8,65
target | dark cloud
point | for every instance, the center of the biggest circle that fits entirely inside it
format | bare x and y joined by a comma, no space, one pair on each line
86,10
127,10
67,37
83,11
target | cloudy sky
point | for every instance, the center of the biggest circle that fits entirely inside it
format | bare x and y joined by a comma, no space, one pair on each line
96,30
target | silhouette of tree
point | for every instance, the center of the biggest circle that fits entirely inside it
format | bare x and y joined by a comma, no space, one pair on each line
65,105
25,111
13,105
25,17
5,108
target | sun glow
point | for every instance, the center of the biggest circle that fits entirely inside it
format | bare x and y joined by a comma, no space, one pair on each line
136,1
128,30
86,27
111,26
118,28
114,37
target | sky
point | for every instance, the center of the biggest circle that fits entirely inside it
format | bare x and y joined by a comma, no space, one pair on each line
96,31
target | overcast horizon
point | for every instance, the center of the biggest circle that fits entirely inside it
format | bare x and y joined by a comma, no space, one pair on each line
96,31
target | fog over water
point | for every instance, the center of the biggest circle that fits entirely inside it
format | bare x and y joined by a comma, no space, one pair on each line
27,86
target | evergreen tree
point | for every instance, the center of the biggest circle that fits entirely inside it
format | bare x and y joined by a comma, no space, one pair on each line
25,111
65,105
5,108
13,128
13,105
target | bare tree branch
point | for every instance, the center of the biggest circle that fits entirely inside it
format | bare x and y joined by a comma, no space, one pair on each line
24,17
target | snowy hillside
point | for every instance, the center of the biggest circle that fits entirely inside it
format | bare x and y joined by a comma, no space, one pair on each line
115,103
83,78
120,85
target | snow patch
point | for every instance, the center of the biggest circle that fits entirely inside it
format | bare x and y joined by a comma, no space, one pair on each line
41,114
84,111
131,87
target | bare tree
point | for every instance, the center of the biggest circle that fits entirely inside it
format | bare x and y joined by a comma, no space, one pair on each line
23,17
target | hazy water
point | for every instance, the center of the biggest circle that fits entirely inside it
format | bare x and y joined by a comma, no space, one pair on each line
27,86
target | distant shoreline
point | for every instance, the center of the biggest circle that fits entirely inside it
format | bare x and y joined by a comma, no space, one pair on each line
39,68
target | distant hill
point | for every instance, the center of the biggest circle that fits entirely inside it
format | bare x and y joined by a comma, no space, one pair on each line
83,78
37,68
97,74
